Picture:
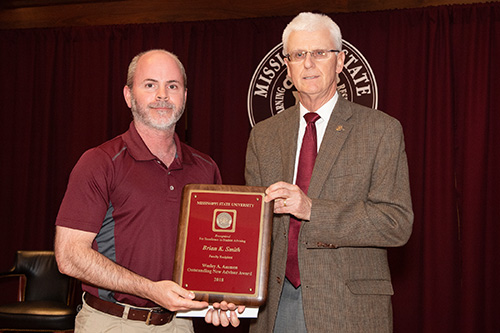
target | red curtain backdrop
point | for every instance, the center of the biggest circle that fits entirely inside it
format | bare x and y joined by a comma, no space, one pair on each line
437,71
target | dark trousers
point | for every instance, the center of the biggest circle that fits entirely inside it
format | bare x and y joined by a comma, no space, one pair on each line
290,316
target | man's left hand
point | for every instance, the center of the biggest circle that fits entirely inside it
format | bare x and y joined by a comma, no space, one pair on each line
289,199
218,315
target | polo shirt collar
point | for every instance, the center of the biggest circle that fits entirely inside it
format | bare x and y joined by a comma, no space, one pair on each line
140,152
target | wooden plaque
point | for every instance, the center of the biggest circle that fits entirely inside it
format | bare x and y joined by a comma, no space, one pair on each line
223,243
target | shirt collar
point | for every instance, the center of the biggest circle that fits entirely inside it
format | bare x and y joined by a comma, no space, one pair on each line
140,152
325,111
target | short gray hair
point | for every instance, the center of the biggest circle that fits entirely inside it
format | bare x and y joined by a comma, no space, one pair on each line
133,66
307,21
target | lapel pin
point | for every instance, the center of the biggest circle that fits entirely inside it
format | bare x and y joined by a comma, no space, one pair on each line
339,128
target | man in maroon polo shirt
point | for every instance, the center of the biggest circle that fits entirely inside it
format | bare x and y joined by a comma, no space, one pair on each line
117,224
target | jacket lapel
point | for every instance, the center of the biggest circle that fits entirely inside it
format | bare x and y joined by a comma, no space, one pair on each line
288,140
336,133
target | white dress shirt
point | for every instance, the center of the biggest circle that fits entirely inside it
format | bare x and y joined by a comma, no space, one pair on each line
324,112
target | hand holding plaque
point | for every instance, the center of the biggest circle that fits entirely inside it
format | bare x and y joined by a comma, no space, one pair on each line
223,243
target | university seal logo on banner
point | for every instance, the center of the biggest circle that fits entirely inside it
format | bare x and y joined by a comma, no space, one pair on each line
271,91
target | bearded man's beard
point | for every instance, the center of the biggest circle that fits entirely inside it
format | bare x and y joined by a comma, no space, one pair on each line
163,120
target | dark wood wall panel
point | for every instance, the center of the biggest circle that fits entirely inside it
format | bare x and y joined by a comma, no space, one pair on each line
21,14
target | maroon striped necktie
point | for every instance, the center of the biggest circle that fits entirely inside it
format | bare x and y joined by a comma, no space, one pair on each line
307,157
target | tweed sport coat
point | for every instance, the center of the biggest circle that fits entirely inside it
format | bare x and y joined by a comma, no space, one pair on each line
361,205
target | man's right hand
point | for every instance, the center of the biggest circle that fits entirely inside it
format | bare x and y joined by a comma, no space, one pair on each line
173,297
75,257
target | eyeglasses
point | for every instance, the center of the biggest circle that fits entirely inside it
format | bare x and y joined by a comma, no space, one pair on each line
297,56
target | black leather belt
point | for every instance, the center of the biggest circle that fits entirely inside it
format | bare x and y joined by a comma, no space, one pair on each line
151,317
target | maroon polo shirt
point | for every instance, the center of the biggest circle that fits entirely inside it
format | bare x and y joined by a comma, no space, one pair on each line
130,199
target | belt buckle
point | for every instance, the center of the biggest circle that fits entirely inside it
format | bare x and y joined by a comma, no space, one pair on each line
148,318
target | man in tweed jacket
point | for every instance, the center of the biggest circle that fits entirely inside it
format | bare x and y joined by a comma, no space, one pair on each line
358,202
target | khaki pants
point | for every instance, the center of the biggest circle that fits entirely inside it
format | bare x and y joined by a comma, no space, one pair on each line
90,320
